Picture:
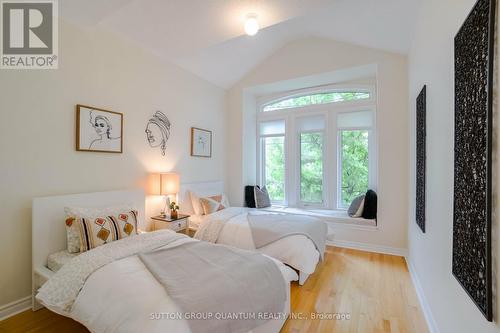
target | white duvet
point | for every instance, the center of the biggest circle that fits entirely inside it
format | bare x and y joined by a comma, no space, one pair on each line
123,296
297,251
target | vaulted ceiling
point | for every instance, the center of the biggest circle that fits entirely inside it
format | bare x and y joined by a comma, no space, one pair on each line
206,37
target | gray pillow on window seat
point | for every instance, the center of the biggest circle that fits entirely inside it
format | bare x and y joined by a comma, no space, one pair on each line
262,199
356,207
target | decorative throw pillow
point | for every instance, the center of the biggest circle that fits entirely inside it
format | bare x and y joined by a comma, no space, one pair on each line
262,199
101,230
250,195
72,213
359,212
214,204
195,202
370,206
356,203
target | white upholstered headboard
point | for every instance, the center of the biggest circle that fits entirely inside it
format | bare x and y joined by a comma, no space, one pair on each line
202,189
48,228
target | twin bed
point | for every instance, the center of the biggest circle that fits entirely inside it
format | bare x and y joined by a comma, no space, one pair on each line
170,282
232,227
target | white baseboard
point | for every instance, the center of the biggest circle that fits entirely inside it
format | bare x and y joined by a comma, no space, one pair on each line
369,247
13,308
424,305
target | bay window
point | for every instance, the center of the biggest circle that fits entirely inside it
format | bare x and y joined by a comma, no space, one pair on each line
317,149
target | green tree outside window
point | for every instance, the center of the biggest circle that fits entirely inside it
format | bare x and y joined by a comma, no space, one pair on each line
354,145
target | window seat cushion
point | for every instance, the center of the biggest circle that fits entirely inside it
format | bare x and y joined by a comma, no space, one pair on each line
327,215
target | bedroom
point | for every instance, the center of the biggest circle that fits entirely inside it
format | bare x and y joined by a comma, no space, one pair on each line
187,78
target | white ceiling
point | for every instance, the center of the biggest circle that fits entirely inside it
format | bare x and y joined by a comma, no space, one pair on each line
206,37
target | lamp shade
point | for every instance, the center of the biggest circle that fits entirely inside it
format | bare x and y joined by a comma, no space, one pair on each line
164,183
169,183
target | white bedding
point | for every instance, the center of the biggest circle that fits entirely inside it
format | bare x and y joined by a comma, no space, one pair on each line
297,251
57,260
123,296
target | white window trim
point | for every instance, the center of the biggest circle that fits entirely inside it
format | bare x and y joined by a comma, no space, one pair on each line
331,158
269,99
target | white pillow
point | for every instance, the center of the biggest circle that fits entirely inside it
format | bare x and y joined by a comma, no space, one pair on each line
72,231
195,202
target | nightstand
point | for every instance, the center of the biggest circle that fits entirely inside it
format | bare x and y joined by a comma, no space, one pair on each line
179,224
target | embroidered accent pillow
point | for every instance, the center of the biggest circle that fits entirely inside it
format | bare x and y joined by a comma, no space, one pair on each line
73,213
94,232
214,204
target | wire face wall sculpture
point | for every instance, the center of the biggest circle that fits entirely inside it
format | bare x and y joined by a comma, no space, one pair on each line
420,158
474,58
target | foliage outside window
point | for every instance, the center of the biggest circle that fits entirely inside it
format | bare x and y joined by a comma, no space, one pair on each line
311,167
354,145
274,156
320,98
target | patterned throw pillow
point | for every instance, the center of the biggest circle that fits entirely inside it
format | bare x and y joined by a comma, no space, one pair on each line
72,235
94,232
72,213
214,204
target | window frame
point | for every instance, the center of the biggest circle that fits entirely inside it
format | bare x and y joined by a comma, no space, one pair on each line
261,161
331,159
274,98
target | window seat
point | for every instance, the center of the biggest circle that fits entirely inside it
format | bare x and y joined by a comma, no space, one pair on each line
327,215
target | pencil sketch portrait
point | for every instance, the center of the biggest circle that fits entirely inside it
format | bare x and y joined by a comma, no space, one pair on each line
99,130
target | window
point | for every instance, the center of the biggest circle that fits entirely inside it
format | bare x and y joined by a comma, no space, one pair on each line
354,137
311,135
320,98
274,174
321,157
354,164
272,136
311,167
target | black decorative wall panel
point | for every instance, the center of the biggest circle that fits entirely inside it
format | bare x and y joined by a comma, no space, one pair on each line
472,177
420,169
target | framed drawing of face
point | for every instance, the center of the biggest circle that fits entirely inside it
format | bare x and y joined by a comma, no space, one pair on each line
98,130
201,142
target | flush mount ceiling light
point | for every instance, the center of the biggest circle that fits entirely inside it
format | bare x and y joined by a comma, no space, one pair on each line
251,24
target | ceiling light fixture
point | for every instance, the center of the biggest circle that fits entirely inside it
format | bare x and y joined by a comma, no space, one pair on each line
251,24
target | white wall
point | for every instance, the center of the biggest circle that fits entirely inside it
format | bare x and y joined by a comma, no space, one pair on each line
316,56
37,133
431,62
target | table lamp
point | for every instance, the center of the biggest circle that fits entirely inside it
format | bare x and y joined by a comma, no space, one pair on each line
165,184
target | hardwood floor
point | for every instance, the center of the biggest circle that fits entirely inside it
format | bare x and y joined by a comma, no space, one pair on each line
375,290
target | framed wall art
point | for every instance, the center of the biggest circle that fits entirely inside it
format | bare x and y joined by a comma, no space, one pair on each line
420,159
201,142
474,59
98,130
